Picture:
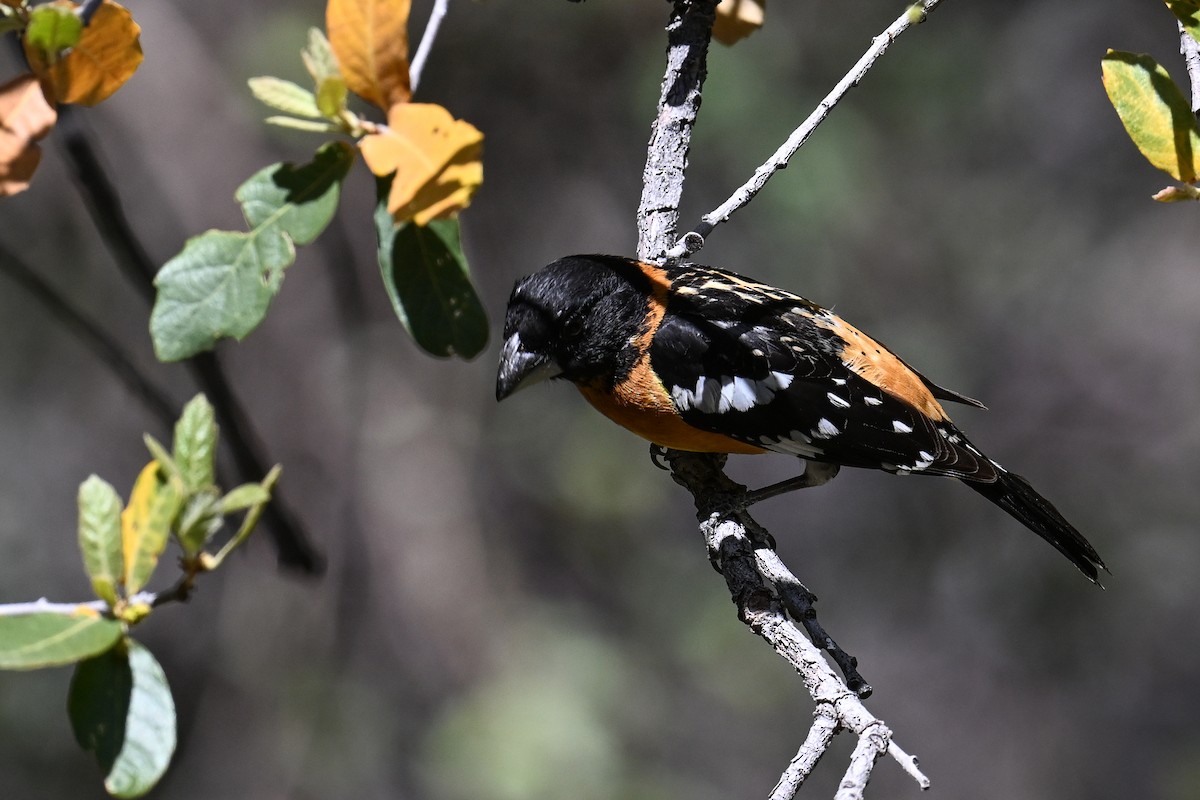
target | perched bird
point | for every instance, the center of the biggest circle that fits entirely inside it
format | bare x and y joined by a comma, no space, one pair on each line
701,359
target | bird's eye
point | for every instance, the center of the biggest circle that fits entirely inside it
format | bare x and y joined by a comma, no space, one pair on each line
572,326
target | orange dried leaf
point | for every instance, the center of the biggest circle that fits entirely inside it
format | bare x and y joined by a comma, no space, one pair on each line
737,19
25,117
108,54
435,158
370,41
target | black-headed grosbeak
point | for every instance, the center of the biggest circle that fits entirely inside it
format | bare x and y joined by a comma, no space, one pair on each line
700,359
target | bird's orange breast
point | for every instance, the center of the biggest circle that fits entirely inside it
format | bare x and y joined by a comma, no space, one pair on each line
641,403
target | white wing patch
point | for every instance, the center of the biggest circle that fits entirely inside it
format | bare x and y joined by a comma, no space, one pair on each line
725,393
825,430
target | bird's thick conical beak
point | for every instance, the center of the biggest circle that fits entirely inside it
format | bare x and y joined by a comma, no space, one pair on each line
519,368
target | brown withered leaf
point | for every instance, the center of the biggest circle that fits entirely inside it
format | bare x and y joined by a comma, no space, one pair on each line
370,41
436,159
108,54
25,117
737,19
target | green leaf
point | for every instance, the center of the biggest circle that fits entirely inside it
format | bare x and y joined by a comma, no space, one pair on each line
426,278
32,641
1154,112
219,286
244,496
309,125
1188,14
223,282
121,711
53,28
196,444
160,454
146,524
331,96
199,521
297,201
284,96
100,536
318,57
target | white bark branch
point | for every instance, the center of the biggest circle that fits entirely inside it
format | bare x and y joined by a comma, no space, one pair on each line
1190,49
417,65
761,586
692,241
688,34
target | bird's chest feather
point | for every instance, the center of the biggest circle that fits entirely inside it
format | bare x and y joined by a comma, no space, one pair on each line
641,404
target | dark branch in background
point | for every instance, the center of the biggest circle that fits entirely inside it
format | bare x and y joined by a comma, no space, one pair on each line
87,9
157,402
104,205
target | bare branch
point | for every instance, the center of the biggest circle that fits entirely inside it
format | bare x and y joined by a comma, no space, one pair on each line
1190,49
688,34
824,727
734,547
177,593
417,66
763,589
694,240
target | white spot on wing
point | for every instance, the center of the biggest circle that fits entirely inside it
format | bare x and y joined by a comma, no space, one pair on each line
900,427
825,430
836,401
926,460
872,401
779,380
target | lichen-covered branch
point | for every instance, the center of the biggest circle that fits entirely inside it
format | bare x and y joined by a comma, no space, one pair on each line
1190,49
769,598
688,34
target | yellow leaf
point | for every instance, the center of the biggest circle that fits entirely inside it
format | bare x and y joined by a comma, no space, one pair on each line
436,159
1156,115
370,41
108,54
737,19
25,117
146,524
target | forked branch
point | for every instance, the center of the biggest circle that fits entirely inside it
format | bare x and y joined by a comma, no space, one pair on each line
769,599
693,240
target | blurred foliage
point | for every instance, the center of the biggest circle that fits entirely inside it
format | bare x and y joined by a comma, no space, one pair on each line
975,203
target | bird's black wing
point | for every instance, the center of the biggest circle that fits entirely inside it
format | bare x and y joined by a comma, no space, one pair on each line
774,370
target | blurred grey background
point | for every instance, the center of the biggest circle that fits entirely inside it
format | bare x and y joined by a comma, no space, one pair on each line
517,605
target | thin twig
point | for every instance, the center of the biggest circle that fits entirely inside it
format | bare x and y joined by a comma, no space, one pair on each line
692,241
177,593
1190,49
824,727
417,65
103,203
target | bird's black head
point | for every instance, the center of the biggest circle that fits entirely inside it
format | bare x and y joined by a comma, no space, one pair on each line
577,319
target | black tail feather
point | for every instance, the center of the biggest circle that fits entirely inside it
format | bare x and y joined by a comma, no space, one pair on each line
1014,494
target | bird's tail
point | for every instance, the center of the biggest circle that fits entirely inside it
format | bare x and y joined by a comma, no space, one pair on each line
1014,494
